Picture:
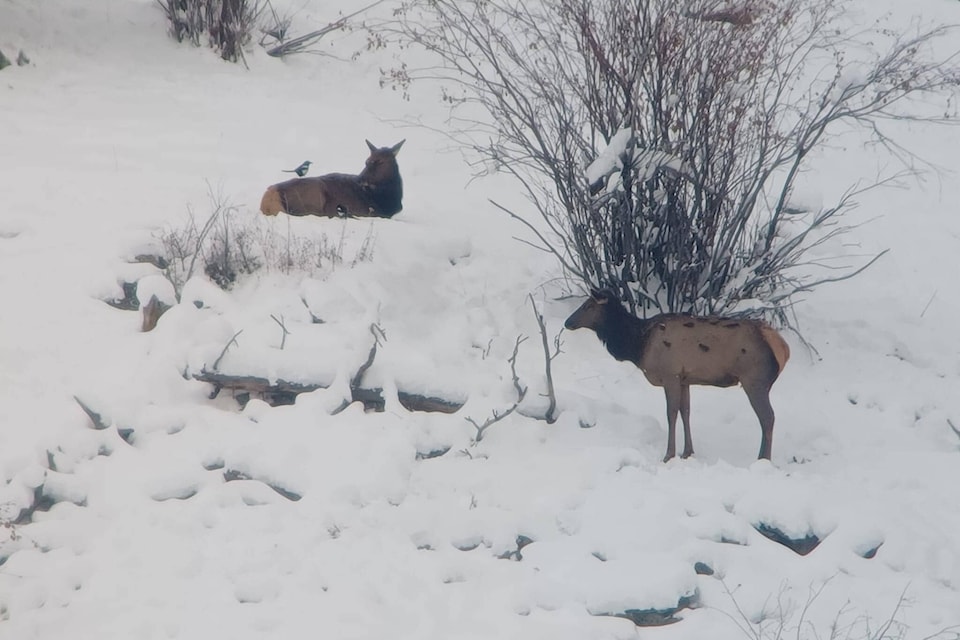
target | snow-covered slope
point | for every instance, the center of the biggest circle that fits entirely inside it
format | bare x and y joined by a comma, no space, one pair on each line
342,525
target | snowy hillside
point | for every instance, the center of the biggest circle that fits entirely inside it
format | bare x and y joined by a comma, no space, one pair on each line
189,517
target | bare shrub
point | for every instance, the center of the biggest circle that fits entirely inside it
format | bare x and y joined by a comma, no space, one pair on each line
783,617
661,142
227,25
230,249
227,245
182,247
316,255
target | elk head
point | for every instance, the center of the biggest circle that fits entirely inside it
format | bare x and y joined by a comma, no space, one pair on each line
382,163
593,312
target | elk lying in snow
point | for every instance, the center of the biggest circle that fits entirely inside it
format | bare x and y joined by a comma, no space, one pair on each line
376,192
676,351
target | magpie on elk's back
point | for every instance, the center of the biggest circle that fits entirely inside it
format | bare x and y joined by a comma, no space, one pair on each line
301,170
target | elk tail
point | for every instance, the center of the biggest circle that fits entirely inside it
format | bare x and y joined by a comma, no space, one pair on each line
779,346
271,203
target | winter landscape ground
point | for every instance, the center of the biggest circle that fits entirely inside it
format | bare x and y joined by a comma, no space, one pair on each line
114,132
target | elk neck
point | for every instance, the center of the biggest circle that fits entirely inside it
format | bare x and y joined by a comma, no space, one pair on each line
623,334
387,196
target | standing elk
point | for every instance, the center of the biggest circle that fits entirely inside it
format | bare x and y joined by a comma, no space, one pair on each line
376,192
676,351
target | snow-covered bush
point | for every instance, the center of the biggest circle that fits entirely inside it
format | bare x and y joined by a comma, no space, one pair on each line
227,24
228,244
660,142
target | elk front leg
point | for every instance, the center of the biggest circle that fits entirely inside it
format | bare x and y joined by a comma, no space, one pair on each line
685,416
674,392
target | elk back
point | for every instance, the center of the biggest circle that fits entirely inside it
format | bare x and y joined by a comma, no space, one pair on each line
332,195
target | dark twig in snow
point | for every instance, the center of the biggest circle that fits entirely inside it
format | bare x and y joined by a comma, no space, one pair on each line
358,393
953,427
930,302
497,416
521,390
550,414
315,319
283,327
378,334
232,341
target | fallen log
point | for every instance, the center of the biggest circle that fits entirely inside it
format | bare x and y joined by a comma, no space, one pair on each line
283,392
417,402
274,393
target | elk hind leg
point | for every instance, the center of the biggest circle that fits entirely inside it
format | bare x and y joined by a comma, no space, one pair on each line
685,416
759,396
674,395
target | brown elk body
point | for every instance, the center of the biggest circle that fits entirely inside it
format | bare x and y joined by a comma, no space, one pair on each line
376,192
676,351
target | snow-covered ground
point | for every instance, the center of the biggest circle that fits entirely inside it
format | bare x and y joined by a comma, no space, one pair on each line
114,131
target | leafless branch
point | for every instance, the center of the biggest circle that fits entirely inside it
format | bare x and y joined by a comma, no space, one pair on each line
305,43
201,236
521,390
378,334
953,427
929,302
741,620
892,620
550,414
545,244
283,327
231,342
774,623
315,319
951,632
497,416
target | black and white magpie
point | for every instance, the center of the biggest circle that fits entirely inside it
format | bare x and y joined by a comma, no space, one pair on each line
301,170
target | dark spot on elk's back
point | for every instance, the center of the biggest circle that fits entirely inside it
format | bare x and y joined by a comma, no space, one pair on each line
703,347
667,344
732,325
688,324
743,350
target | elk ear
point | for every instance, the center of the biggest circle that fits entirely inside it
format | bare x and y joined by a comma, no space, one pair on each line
598,296
396,148
370,144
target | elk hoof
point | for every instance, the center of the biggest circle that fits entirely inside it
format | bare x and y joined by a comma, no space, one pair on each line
686,454
670,455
